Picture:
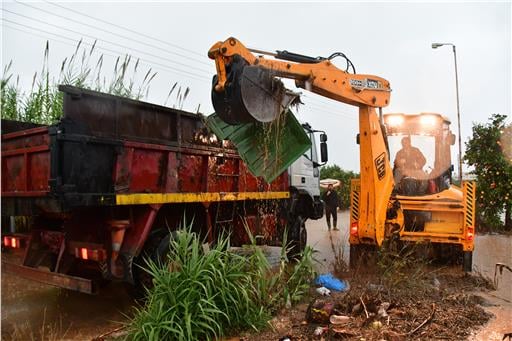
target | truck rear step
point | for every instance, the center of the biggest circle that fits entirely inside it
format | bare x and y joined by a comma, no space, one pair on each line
51,278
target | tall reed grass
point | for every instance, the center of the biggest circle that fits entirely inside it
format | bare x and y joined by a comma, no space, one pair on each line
204,296
43,102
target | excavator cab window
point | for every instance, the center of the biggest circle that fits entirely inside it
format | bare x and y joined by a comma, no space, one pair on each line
419,147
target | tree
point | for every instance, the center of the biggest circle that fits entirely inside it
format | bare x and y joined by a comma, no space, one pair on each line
335,172
489,151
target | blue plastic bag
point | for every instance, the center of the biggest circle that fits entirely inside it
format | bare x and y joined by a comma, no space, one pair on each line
331,282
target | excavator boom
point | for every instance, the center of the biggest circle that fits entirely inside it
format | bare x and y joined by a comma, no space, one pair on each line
247,87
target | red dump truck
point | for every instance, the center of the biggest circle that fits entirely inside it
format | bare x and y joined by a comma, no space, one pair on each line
108,183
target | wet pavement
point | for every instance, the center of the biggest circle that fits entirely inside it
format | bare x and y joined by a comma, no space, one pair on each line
31,310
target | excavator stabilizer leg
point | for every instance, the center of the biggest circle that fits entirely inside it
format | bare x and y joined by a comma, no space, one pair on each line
251,94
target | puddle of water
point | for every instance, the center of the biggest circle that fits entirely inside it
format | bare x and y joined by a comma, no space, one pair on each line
30,308
492,249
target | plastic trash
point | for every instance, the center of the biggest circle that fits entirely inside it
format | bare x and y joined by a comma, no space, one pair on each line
339,319
376,325
331,282
319,311
320,330
323,291
382,310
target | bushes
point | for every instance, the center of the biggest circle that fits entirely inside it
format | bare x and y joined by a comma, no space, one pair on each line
202,296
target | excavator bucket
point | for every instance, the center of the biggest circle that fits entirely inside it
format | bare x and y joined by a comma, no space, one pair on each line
251,94
267,149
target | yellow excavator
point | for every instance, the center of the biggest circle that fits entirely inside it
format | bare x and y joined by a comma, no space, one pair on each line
247,88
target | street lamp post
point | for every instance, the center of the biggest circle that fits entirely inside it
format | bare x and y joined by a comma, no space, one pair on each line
435,46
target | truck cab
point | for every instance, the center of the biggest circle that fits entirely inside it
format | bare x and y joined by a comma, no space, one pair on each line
305,171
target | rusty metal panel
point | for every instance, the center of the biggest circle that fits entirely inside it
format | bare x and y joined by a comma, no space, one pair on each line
39,171
10,126
147,170
107,145
25,166
103,115
171,175
191,173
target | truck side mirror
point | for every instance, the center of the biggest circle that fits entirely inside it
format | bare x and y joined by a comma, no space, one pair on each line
323,137
451,139
323,150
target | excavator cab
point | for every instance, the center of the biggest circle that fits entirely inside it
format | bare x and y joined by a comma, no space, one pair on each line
419,149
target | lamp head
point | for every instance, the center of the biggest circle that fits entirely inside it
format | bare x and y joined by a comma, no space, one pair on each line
436,45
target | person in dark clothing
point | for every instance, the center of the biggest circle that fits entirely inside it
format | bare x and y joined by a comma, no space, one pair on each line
409,160
331,204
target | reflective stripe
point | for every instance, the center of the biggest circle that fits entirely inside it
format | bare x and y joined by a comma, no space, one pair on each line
163,198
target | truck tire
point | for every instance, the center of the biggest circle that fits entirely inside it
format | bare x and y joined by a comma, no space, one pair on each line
467,261
297,237
155,249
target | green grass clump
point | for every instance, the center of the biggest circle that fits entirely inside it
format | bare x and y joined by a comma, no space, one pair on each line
204,296
43,102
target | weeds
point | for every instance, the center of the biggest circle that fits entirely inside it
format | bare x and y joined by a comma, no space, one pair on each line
400,263
203,296
46,331
43,103
339,264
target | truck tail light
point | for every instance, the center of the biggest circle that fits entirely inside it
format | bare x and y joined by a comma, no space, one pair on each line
354,227
84,253
13,242
470,233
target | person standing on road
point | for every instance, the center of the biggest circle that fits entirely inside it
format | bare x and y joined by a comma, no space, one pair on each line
331,204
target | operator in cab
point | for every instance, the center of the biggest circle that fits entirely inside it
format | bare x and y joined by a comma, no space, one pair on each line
409,160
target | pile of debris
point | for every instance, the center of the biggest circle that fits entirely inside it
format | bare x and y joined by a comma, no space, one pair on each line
442,305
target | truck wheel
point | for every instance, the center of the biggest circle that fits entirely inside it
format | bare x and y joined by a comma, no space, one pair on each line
467,261
298,237
155,249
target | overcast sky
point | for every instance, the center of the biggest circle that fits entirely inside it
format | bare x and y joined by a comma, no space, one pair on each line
390,40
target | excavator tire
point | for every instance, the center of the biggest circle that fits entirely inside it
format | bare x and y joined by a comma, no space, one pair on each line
467,261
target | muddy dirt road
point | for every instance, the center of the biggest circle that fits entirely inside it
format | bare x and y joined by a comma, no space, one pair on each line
30,310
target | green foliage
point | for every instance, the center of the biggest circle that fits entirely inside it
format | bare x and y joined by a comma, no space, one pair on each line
203,296
486,151
335,172
43,103
401,263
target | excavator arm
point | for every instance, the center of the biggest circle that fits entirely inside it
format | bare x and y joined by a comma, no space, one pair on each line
247,88
318,75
